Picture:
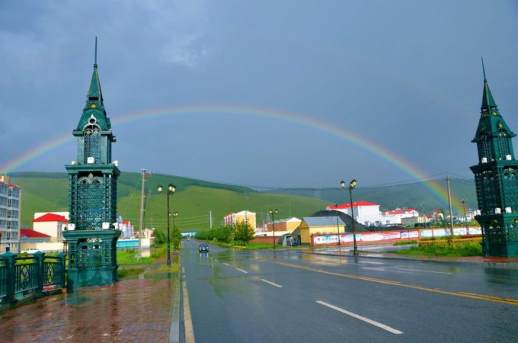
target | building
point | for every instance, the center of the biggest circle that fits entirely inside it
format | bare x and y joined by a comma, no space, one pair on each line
126,228
282,227
31,241
399,216
245,216
365,212
92,235
319,225
496,180
287,225
52,224
10,204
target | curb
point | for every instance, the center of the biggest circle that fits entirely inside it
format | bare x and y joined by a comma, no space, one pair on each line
495,265
174,330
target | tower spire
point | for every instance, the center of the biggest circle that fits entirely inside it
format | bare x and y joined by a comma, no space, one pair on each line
95,55
488,102
481,58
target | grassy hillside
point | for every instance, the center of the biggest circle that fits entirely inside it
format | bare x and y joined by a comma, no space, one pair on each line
406,195
193,200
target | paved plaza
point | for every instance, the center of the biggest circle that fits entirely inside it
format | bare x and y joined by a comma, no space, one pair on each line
132,310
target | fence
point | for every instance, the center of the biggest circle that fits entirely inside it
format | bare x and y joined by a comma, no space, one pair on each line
378,237
30,276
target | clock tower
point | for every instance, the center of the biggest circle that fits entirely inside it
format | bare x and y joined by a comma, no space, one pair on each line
92,236
496,179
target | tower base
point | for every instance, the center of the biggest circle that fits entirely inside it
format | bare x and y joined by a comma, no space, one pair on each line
91,257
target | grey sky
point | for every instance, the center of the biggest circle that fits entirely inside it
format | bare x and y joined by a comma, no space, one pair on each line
405,74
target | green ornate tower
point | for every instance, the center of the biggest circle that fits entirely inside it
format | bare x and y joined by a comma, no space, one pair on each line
92,237
496,179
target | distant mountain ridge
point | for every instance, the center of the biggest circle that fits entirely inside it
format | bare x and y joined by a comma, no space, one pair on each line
415,194
194,199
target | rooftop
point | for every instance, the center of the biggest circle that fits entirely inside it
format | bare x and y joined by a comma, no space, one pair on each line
345,205
30,233
50,217
323,221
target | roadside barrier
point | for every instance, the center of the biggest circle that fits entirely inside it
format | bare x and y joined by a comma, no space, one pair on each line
29,276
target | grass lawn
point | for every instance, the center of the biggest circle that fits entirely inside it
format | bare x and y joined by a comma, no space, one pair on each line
456,249
132,257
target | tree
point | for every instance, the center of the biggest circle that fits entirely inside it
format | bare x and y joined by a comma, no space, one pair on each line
243,232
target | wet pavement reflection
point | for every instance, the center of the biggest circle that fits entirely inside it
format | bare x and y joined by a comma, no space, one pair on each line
132,310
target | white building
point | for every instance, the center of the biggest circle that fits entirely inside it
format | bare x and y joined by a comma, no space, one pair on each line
127,228
394,217
365,212
51,223
10,201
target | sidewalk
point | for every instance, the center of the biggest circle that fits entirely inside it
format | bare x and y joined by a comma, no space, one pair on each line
132,310
493,262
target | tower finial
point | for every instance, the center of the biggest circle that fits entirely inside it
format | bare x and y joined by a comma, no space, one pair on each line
483,68
95,56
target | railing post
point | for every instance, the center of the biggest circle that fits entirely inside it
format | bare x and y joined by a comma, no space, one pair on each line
10,261
39,257
62,271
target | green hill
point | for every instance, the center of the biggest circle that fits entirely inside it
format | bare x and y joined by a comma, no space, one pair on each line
193,200
415,195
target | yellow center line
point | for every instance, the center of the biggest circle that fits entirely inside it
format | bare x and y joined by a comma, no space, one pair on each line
468,295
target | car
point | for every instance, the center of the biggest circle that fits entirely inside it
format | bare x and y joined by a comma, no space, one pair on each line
203,248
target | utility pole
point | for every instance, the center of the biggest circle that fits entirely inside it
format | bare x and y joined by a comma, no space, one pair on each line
143,173
210,219
450,208
465,217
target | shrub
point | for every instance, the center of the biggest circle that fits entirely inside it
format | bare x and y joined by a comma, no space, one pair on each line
243,233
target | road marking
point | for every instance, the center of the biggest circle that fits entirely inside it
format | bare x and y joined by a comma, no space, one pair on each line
271,283
475,296
422,271
187,318
371,262
364,319
236,268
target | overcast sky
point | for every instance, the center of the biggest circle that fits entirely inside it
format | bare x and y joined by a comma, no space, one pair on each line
404,74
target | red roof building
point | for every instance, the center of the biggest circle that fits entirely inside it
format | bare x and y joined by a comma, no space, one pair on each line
361,203
31,234
50,217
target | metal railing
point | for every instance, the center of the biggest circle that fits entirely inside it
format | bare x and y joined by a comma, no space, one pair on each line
26,276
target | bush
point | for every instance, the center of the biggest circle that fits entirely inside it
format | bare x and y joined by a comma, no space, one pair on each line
224,234
243,233
160,237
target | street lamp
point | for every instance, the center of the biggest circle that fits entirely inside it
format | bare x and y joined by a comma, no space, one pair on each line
272,214
170,191
352,185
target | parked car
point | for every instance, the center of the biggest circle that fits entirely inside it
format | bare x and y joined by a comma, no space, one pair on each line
203,248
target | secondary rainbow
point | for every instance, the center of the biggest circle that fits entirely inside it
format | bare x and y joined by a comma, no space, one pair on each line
297,118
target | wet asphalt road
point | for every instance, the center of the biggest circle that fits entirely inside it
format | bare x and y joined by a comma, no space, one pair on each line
290,296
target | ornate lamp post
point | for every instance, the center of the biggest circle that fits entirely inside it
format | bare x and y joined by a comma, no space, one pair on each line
352,185
170,191
272,214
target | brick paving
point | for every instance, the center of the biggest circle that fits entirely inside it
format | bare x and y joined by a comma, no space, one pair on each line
132,310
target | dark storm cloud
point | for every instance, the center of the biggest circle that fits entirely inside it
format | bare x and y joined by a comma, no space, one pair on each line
404,74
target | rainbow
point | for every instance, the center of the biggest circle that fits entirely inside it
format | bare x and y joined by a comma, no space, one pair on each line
297,118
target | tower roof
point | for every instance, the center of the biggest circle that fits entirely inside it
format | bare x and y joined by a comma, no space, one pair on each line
94,92
488,102
491,123
94,107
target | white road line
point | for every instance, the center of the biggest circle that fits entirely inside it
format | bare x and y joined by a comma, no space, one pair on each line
422,271
357,316
371,262
271,283
236,268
